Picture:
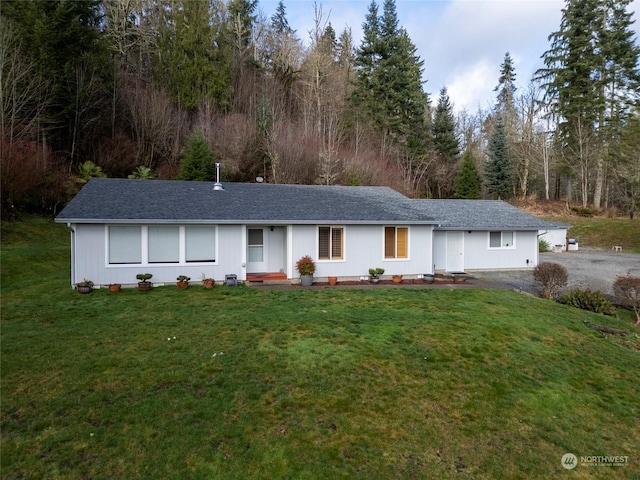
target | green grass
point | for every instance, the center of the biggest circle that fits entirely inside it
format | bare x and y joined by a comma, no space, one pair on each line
386,383
605,232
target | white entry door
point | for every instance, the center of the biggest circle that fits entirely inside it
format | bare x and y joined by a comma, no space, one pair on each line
455,251
256,249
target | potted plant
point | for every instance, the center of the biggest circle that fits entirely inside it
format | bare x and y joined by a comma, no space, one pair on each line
306,267
374,274
207,282
397,278
85,286
144,284
333,281
183,282
115,287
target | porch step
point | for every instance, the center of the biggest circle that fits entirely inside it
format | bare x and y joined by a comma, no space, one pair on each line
261,277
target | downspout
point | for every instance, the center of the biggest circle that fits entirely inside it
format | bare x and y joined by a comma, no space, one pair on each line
72,232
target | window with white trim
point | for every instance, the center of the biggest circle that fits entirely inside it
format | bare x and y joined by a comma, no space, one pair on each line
200,244
396,242
125,245
164,244
160,244
330,243
501,240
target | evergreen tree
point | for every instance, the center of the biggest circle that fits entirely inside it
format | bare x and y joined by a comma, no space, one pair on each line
197,163
498,169
279,22
193,66
591,79
63,39
388,88
506,87
468,183
445,140
242,14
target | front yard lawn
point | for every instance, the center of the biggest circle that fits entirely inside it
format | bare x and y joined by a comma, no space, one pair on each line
242,383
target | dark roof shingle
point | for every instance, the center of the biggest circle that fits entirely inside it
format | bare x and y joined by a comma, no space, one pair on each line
482,215
158,201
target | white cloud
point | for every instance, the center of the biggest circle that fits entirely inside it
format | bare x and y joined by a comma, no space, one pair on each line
468,87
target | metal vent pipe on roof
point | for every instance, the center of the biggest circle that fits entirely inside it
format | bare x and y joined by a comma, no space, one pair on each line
218,185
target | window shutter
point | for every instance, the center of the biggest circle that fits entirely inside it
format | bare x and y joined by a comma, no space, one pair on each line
389,242
403,235
336,243
323,243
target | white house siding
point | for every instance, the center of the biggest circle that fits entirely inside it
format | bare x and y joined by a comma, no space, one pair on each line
90,260
478,255
555,237
364,249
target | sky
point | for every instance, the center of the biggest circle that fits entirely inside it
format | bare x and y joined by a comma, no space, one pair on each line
462,42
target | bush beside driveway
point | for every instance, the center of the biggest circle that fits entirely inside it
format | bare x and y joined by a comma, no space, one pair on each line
588,268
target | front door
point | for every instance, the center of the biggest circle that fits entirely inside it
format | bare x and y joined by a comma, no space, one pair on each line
256,261
455,251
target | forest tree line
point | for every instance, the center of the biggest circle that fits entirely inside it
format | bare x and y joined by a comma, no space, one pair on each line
145,88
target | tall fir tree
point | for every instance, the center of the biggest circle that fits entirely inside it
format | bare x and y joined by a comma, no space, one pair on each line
193,66
506,87
388,87
445,140
468,183
591,78
198,162
506,95
498,168
279,22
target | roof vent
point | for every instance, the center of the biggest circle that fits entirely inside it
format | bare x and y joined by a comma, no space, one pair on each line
218,185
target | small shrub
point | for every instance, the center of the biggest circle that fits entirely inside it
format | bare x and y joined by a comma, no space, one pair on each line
591,300
627,292
306,266
551,277
543,246
584,211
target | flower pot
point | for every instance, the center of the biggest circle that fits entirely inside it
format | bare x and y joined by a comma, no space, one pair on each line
84,289
208,282
145,286
429,278
115,287
306,280
397,278
183,285
333,281
374,279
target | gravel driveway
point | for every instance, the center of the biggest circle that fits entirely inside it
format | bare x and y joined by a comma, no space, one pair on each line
588,268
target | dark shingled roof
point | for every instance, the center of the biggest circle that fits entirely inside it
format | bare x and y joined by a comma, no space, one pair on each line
110,200
482,215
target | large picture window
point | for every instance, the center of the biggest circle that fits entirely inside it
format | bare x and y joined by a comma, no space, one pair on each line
156,244
501,240
164,244
125,245
200,244
396,242
330,243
